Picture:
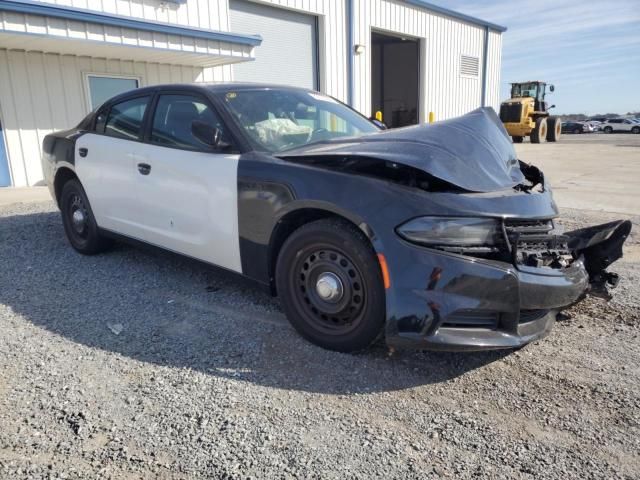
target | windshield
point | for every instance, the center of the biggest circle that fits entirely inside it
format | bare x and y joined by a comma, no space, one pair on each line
278,120
524,90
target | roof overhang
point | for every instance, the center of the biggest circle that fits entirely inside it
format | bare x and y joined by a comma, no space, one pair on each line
457,15
34,26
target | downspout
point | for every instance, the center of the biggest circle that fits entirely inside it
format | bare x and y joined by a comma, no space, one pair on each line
351,87
485,62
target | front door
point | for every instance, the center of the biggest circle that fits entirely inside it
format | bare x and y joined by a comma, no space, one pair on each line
187,197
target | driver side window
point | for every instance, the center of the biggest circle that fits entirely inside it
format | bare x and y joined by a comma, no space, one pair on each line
173,118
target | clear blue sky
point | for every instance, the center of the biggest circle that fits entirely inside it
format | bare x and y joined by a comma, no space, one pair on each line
589,49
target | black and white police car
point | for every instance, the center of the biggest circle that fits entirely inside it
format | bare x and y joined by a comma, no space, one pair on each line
433,236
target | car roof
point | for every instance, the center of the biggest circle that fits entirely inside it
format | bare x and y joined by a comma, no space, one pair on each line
201,87
208,86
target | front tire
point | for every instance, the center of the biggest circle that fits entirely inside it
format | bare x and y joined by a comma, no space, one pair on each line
330,284
539,134
635,130
554,131
79,223
608,130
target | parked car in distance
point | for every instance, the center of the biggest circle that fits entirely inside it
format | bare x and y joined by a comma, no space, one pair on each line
362,233
596,125
620,125
573,127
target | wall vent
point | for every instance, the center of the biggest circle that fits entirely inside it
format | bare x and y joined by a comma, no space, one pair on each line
469,66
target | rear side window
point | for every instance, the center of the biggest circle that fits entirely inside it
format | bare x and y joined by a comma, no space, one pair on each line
125,118
173,118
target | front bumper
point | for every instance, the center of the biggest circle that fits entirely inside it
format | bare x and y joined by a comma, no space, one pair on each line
443,301
457,339
451,302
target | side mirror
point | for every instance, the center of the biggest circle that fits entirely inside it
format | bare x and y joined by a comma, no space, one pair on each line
209,135
552,106
378,123
551,88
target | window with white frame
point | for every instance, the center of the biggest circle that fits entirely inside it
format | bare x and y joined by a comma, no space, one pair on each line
101,88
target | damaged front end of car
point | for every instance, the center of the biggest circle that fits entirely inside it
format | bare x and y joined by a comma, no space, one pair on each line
476,283
480,262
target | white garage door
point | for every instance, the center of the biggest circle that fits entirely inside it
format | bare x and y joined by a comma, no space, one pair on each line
288,54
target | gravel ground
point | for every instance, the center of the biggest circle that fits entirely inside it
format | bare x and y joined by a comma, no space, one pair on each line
141,364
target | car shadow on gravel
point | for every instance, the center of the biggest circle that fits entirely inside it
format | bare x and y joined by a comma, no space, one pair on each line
163,309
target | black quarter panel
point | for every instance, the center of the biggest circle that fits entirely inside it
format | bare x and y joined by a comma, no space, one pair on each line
270,188
58,151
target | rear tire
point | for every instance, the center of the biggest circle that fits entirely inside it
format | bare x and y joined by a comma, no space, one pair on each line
554,130
608,130
349,313
79,223
517,139
577,130
539,134
635,130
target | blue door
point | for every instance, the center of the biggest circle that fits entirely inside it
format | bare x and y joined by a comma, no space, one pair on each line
5,178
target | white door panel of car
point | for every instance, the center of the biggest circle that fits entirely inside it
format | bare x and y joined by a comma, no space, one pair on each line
106,164
188,203
107,173
173,191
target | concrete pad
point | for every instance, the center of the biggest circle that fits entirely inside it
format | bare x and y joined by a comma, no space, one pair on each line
591,171
11,195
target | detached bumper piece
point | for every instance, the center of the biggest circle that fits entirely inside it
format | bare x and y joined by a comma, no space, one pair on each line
600,246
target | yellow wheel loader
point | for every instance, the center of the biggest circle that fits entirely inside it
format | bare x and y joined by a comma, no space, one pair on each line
526,114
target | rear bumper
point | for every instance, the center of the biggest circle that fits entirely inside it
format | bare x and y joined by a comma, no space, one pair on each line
451,302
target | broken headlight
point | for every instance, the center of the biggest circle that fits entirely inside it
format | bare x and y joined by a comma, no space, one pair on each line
451,231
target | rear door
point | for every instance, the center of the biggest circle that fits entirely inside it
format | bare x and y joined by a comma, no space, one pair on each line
106,164
187,193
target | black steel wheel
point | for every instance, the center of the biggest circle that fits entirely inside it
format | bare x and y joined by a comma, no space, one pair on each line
330,284
78,220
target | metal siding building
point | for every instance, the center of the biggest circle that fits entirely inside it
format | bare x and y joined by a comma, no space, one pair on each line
53,54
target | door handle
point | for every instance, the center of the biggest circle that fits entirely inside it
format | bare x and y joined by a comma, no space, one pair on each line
83,151
144,168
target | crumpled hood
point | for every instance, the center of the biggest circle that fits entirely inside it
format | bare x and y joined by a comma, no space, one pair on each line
473,152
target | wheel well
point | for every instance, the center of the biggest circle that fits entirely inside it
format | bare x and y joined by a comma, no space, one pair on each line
62,176
289,224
